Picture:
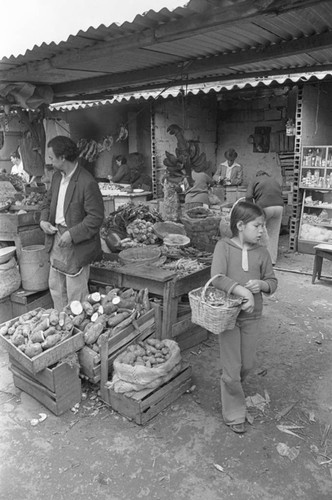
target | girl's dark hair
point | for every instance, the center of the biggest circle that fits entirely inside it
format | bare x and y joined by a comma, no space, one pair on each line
15,154
64,146
121,158
244,211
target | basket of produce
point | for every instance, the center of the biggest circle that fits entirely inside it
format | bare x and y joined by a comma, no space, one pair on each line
140,255
213,309
163,229
176,240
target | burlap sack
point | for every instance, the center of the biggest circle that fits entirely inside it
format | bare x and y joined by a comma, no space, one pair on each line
127,378
10,278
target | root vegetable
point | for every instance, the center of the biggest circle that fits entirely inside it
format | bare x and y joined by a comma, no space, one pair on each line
94,297
54,317
124,303
124,323
110,308
79,319
4,329
51,341
87,307
118,318
94,317
83,325
18,339
62,317
91,336
43,324
37,337
33,350
50,331
76,307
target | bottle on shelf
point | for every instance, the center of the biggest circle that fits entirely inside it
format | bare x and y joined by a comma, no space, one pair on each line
318,159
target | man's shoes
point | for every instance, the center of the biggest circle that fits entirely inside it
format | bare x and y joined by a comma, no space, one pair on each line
238,428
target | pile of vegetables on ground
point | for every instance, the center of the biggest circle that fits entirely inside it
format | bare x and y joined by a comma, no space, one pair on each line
150,353
38,330
107,313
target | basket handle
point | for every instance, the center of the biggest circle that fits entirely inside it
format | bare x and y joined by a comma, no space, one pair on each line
203,292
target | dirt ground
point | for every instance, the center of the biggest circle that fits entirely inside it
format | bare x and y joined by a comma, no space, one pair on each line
186,452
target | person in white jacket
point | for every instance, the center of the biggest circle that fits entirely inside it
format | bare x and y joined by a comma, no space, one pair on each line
17,168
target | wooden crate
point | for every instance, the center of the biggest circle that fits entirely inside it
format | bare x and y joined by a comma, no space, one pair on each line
164,284
23,301
6,311
58,388
144,405
46,358
146,326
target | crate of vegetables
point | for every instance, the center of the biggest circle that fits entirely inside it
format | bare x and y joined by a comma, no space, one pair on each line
123,315
148,376
40,338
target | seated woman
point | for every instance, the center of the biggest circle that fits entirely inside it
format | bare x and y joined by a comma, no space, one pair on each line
122,174
198,194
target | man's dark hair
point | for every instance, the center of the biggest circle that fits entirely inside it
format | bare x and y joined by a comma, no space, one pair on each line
121,158
64,146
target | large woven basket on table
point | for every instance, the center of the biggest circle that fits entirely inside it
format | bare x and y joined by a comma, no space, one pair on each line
214,309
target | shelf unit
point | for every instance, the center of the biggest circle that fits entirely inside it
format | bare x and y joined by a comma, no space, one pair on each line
316,219
316,167
315,183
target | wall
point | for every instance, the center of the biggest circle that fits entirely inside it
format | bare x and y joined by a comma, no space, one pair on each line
99,122
317,114
196,115
239,112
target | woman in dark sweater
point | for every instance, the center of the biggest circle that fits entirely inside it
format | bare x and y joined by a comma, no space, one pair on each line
266,192
122,174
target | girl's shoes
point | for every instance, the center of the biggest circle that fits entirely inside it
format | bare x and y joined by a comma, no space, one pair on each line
238,428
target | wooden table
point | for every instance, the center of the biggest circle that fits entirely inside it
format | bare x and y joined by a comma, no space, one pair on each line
176,316
321,252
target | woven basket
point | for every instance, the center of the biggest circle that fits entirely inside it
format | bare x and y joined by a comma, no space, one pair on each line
140,255
213,309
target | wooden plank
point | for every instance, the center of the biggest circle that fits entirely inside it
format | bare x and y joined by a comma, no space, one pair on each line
187,283
172,396
90,361
58,403
48,357
191,338
182,325
142,409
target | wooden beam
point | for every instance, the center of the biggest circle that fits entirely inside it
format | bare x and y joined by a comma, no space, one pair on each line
171,74
199,23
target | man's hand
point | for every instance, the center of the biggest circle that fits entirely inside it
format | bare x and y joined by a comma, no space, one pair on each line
47,227
65,240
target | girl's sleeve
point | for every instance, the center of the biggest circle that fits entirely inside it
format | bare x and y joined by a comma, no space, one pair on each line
219,266
268,273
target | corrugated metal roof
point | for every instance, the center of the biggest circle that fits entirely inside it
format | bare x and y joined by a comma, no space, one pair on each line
204,88
207,39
